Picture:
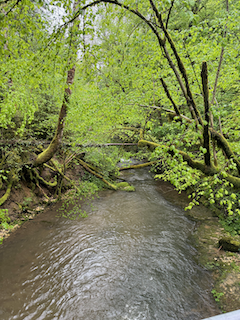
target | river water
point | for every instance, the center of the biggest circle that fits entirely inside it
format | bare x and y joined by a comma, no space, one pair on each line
131,258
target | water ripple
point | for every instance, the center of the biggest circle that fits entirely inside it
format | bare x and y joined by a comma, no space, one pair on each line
130,259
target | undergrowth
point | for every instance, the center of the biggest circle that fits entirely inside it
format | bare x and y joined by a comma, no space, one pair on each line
215,191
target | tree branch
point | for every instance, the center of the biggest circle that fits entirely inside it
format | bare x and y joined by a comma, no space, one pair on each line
169,97
190,99
169,13
207,170
206,137
12,7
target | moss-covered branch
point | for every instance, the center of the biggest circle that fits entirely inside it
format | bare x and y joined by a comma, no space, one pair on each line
224,145
218,137
145,143
49,152
85,166
7,193
207,170
138,166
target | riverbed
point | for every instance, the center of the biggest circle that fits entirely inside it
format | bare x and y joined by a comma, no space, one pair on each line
131,258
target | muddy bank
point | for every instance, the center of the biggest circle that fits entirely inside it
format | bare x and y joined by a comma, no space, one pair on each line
28,199
22,205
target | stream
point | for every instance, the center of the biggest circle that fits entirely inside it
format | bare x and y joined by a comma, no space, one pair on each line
131,258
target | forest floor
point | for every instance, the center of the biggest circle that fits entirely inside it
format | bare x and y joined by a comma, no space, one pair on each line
25,202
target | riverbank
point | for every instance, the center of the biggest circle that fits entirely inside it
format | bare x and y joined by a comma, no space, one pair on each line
224,265
24,205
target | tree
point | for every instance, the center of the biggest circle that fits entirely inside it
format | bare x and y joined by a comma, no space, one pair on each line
148,60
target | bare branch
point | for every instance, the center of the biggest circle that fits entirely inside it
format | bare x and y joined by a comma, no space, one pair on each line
206,137
169,12
190,99
169,97
12,7
220,59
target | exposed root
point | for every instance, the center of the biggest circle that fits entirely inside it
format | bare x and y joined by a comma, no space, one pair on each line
41,189
7,193
49,184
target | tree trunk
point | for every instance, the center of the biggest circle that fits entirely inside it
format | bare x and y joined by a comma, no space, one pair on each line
48,153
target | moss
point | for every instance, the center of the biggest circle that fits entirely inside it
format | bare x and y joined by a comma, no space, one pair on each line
129,188
85,165
124,186
7,193
151,145
208,170
50,184
229,244
138,166
224,145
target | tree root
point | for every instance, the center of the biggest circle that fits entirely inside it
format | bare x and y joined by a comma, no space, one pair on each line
61,173
59,187
7,193
44,193
49,184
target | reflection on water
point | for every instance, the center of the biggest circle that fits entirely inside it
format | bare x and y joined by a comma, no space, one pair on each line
129,259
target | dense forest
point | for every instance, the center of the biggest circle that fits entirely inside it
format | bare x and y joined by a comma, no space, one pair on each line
84,84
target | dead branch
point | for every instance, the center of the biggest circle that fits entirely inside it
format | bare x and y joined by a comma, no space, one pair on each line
169,96
206,137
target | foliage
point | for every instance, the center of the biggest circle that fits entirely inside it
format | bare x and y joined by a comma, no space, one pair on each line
104,159
118,67
4,219
72,206
214,190
217,295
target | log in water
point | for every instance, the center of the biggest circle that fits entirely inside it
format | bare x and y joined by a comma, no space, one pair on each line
129,259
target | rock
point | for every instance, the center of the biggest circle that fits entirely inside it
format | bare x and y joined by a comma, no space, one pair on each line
124,186
229,244
38,209
129,188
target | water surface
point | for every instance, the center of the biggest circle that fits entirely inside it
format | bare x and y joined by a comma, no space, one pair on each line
129,259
